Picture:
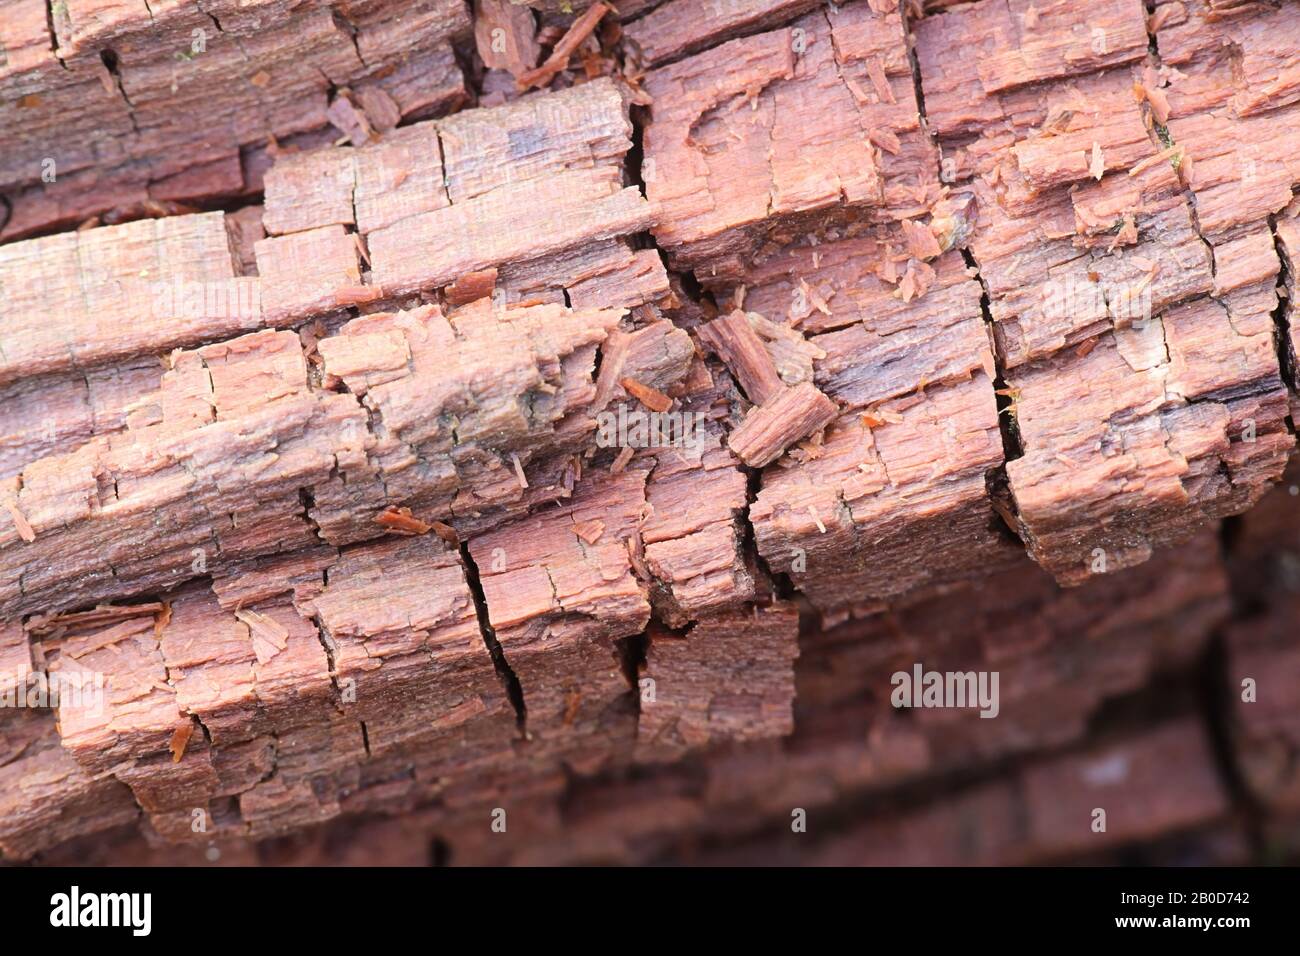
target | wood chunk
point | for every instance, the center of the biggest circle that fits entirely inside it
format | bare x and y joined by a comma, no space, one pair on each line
471,287
381,110
118,292
558,604
649,360
558,61
268,637
505,35
651,398
1154,408
545,352
680,26
43,624
693,534
308,189
965,94
769,429
734,340
402,521
879,492
308,273
1046,296
245,227
180,738
731,157
267,425
730,677
299,573
265,73
350,121
405,646
396,178
570,179
869,345
604,274
1231,114
15,659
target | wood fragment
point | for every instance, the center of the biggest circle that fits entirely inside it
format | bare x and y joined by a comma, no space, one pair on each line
179,740
161,620
505,36
401,520
269,636
590,531
1172,154
471,287
733,338
519,470
620,461
558,61
921,241
651,398
42,624
785,418
446,532
357,295
20,521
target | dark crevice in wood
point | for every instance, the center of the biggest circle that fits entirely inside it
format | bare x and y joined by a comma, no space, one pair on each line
997,481
119,215
514,690
53,28
782,584
1012,447
1286,357
110,60
631,657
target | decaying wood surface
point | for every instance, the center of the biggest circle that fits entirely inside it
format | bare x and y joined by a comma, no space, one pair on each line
1108,636
1099,269
133,106
339,489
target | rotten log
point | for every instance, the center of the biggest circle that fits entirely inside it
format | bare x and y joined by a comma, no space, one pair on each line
420,369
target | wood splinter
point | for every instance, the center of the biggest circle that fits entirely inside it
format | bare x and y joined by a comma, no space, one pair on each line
734,340
648,396
769,429
555,64
180,739
402,521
